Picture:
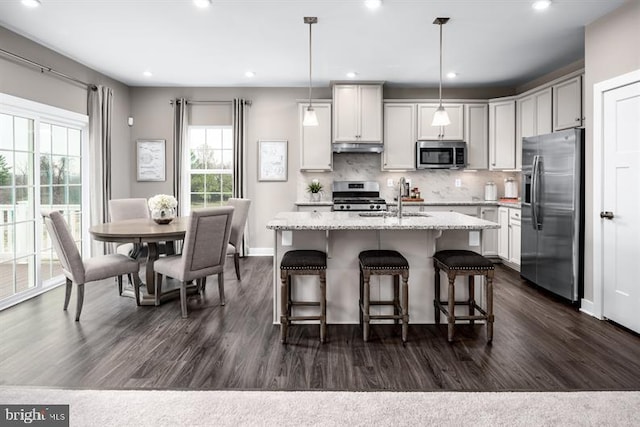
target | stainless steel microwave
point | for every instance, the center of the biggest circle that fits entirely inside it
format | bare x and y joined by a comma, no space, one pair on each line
441,154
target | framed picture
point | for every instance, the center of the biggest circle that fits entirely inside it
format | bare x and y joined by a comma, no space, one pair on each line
272,160
150,156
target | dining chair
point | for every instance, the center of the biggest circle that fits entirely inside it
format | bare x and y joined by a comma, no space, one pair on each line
240,215
82,271
203,253
123,209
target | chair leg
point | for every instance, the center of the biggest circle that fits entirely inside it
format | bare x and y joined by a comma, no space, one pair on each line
472,302
451,306
323,306
284,298
367,298
236,262
221,287
119,280
80,300
67,293
183,299
158,289
136,287
490,317
204,284
405,306
436,299
396,298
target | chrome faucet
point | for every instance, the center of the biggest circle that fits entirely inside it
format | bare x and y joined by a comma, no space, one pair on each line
401,185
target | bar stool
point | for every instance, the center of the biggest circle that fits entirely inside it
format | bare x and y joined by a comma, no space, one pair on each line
384,262
298,263
463,263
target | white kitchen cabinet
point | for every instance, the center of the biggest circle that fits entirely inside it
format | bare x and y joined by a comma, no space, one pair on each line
399,136
411,207
502,134
534,117
567,104
357,113
490,236
509,235
452,132
315,141
476,121
514,236
314,208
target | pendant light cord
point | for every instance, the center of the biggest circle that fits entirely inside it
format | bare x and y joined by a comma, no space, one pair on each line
440,64
310,65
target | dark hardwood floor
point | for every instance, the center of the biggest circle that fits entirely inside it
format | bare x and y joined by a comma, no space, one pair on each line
540,343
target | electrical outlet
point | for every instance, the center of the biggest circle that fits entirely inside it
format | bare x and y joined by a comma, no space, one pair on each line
458,182
390,182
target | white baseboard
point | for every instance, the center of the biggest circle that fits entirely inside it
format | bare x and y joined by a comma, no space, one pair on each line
587,307
260,252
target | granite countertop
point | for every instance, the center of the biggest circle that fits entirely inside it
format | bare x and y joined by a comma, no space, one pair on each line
428,203
355,221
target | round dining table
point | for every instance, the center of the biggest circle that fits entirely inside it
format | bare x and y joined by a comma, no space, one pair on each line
143,230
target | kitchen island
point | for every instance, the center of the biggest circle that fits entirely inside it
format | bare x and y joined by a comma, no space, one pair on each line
342,235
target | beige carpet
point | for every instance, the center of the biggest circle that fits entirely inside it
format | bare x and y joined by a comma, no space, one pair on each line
255,408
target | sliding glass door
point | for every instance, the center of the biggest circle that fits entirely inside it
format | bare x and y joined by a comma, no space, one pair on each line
41,168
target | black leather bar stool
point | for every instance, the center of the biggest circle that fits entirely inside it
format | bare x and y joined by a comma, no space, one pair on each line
463,263
298,263
384,262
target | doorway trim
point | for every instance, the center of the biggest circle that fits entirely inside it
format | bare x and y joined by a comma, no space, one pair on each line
599,89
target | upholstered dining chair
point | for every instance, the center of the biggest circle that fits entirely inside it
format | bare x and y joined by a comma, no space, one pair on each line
203,253
84,271
240,215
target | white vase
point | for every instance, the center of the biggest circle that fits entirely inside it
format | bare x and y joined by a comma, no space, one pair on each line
314,197
164,215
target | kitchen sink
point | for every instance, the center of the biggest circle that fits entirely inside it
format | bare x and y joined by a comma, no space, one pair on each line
392,214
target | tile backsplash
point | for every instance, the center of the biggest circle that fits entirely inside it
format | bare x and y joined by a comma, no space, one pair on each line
434,185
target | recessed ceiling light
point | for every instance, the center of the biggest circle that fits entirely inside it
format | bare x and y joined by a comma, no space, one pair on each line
31,3
352,74
452,75
541,4
250,74
373,4
147,73
202,3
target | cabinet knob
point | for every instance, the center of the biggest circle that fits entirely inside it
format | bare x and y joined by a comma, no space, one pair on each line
578,119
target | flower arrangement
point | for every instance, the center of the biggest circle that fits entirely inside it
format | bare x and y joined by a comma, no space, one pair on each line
163,208
162,201
314,186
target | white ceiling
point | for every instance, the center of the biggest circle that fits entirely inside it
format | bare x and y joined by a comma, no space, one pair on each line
488,42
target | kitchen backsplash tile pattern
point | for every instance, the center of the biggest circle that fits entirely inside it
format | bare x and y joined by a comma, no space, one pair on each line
434,185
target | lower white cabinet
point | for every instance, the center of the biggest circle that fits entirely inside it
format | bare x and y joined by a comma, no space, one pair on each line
490,236
509,235
314,208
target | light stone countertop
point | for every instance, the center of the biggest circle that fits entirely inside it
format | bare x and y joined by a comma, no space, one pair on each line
428,203
354,221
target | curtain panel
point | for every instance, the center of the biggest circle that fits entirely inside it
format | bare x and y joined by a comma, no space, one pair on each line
180,125
239,148
100,108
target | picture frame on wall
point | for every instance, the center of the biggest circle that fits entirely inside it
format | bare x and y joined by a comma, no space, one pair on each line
272,160
151,159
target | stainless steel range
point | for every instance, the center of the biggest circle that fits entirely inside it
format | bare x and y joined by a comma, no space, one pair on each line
357,196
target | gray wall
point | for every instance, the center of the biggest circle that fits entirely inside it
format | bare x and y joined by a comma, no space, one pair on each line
611,49
23,81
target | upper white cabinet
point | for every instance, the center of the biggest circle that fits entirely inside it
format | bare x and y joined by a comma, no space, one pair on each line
454,131
357,113
502,134
476,123
399,136
315,141
567,104
533,118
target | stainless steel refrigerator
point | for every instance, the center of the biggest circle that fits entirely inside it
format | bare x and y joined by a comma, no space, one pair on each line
553,212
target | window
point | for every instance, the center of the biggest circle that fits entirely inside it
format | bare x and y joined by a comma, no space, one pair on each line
210,166
37,141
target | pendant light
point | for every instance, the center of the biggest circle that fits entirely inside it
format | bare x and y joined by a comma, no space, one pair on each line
440,117
310,118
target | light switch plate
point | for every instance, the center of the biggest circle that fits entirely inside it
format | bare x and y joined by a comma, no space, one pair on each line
390,182
458,182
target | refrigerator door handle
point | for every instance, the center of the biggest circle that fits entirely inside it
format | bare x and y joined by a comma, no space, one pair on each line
534,192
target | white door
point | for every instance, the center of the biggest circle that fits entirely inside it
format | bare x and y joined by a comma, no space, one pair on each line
621,198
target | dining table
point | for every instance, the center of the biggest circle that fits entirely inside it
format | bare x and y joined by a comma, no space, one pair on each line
145,231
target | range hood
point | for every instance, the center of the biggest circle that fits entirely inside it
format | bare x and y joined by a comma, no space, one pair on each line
357,147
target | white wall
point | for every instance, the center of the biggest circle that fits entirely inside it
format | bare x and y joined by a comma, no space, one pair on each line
611,49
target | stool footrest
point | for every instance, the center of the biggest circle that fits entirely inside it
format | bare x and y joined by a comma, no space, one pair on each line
305,303
304,318
396,303
385,316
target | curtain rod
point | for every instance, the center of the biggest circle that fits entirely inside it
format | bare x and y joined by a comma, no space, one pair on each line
248,102
44,68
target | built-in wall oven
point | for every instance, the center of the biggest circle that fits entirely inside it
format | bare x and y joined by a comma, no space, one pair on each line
441,154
